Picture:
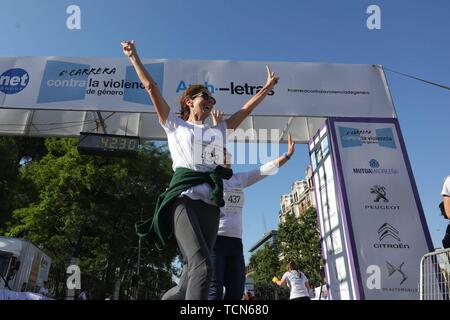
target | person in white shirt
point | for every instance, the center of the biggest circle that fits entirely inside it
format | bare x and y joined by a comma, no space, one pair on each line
296,281
189,208
228,254
44,289
446,202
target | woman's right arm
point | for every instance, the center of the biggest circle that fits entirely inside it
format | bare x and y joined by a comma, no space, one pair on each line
278,281
447,206
161,106
251,177
446,196
236,119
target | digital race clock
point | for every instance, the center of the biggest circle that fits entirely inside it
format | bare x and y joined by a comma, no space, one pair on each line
108,144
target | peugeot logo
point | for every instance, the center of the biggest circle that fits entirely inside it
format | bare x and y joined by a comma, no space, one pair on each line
380,192
387,230
393,269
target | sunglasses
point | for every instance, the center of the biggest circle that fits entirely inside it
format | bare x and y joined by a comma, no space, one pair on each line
205,96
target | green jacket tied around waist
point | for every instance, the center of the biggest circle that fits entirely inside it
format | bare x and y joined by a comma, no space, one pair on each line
182,180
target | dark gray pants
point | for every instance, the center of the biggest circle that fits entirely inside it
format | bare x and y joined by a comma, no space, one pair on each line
195,226
446,240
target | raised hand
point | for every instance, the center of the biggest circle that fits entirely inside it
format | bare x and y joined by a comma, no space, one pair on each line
272,80
217,116
128,48
291,146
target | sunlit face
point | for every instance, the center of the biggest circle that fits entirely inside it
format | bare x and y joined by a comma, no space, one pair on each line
202,105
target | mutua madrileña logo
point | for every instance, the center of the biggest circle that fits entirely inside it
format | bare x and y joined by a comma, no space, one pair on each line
374,169
13,81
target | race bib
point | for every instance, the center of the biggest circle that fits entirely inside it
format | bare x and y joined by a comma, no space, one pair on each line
208,155
234,200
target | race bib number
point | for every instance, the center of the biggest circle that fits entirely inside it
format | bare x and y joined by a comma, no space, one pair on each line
234,200
208,156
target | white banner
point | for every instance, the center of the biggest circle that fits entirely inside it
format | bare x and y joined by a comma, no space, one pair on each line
304,89
385,219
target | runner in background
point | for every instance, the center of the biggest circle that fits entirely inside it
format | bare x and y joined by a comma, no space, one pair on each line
296,281
228,254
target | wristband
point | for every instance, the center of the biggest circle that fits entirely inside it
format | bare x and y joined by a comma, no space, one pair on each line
286,155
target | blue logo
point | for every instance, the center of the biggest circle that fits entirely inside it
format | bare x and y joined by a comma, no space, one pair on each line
385,138
374,163
350,137
13,81
353,137
138,94
58,85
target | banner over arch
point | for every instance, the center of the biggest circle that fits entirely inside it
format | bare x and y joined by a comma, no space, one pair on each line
62,96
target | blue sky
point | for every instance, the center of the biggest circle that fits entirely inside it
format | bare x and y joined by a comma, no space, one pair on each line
413,39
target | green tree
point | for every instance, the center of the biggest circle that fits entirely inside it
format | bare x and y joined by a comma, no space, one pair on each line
264,264
9,178
299,241
86,207
14,191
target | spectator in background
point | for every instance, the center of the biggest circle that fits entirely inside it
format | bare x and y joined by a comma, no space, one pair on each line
44,289
83,295
446,210
228,254
248,295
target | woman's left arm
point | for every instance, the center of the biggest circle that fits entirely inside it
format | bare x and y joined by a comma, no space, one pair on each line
236,119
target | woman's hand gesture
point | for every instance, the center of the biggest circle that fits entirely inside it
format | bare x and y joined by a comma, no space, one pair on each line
128,48
291,146
217,116
272,80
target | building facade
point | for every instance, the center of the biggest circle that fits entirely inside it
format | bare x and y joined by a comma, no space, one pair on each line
300,198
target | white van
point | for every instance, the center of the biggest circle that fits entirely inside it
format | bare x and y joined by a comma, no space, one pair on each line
23,266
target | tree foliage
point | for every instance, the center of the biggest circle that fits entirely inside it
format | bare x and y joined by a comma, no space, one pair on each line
14,190
86,207
299,241
265,264
9,178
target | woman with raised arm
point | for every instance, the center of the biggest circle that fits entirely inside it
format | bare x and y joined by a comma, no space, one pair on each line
296,281
189,208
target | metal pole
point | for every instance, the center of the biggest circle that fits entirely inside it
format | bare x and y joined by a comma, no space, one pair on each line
138,264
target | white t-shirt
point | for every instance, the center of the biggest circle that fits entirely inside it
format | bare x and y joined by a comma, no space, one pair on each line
296,283
230,224
446,187
195,146
43,291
